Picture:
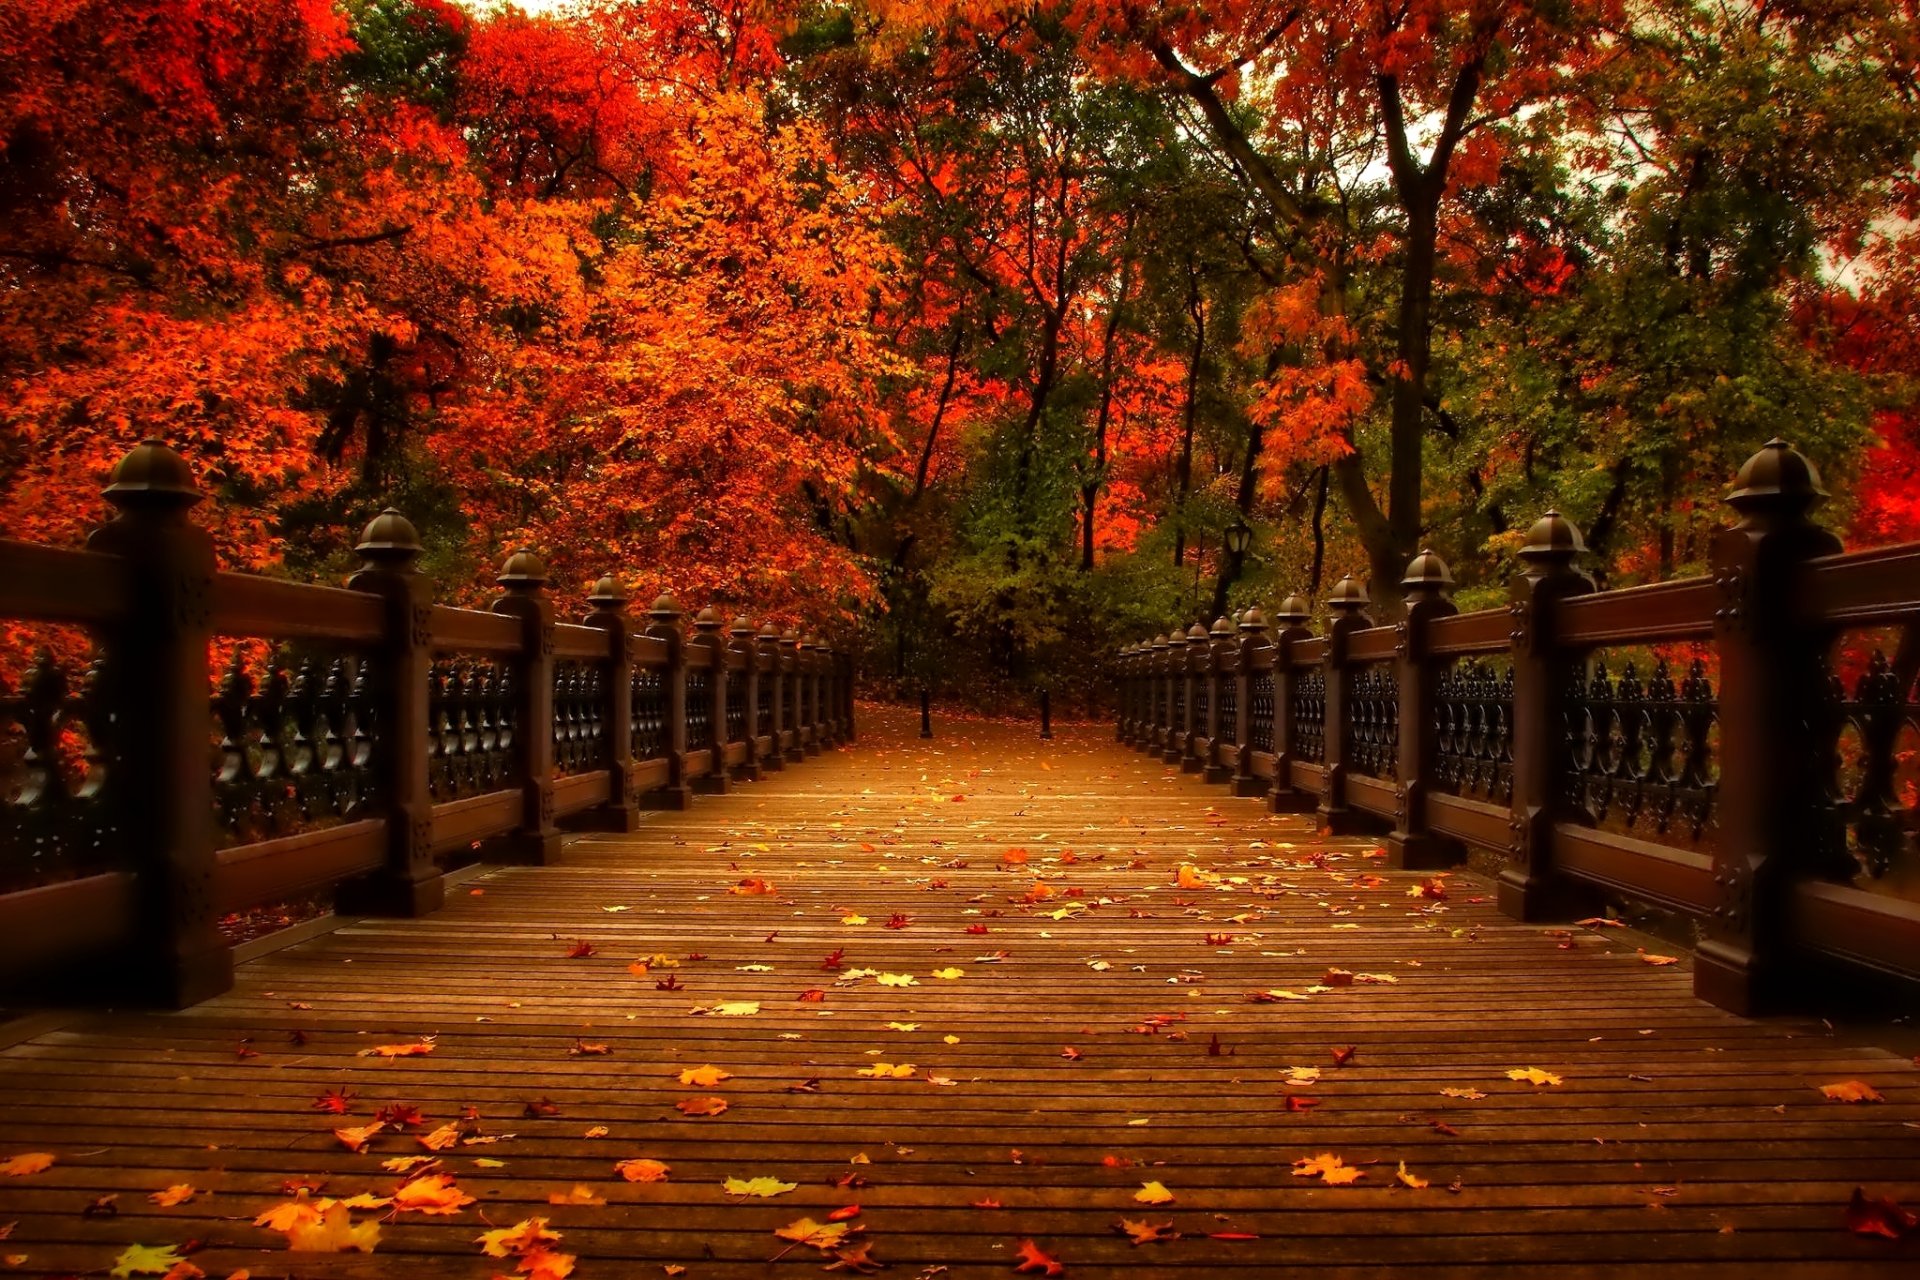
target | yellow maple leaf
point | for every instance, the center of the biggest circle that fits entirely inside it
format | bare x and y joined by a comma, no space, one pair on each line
707,1106
1153,1193
367,1200
820,1235
1851,1091
355,1139
146,1260
434,1193
597,1131
178,1193
334,1232
903,1026
704,1077
898,980
1533,1076
545,1264
405,1164
580,1193
949,974
853,917
290,1214
642,1170
1409,1179
442,1138
414,1050
1471,1095
22,1165
732,1008
1327,1167
520,1238
888,1071
758,1186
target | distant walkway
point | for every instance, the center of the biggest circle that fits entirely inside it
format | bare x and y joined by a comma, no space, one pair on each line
992,991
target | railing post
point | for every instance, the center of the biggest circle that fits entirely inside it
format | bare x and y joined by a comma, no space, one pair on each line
1124,683
410,883
1542,674
1253,648
609,614
848,733
524,578
1292,616
749,654
810,669
1194,664
773,688
1173,743
706,628
1427,589
156,681
791,678
1772,684
665,615
1223,666
1348,606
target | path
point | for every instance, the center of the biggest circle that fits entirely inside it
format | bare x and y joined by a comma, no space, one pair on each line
1093,1039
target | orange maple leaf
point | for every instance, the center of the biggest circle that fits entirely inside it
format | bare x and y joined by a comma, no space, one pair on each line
1033,1259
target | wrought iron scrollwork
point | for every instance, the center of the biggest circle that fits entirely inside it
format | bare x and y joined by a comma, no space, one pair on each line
1375,713
1261,697
472,716
1641,753
1309,712
1473,710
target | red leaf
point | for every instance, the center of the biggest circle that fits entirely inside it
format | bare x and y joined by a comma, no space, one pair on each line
1880,1216
1032,1259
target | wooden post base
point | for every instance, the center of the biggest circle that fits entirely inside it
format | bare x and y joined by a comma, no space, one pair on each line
384,894
1421,851
667,798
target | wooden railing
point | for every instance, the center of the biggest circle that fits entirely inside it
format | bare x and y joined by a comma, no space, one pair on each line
360,737
1737,747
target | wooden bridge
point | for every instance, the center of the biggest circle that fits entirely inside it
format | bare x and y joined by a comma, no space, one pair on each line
989,990
976,1004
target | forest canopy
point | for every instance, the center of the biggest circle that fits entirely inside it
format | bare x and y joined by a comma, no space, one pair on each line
968,325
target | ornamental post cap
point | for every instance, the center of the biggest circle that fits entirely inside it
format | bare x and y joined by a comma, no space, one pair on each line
524,570
707,620
665,608
389,538
1222,626
1553,537
1253,620
607,593
152,476
1295,609
1427,574
1348,596
1779,477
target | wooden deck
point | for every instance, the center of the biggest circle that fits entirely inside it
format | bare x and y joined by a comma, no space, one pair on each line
1096,1038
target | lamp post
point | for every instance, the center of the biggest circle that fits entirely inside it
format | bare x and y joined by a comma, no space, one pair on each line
1239,537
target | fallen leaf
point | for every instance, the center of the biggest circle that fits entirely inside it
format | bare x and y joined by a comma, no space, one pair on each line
517,1240
433,1194
334,1232
22,1165
413,1050
178,1193
888,1071
642,1170
818,1235
580,1193
1879,1216
1138,1232
762,1186
708,1106
580,950
147,1260
1851,1091
950,974
1533,1075
1329,1168
1153,1193
1032,1258
1408,1179
704,1077
1471,1095
356,1139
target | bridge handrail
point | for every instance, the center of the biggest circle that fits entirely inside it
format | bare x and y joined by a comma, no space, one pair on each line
1738,746
363,739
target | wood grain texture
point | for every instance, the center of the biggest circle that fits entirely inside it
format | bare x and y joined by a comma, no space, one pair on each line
1683,1142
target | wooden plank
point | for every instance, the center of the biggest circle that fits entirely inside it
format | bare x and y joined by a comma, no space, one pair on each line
461,822
1482,631
573,641
1375,795
1866,588
57,584
42,927
246,604
1857,925
579,791
1682,1143
1680,878
1375,644
1660,611
1472,821
274,870
473,631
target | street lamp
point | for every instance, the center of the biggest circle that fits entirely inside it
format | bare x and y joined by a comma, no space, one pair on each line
1239,538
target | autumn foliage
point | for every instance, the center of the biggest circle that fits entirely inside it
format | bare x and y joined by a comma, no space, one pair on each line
977,321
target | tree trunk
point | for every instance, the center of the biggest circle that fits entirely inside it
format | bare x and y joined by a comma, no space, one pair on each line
1090,490
1183,470
1243,501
